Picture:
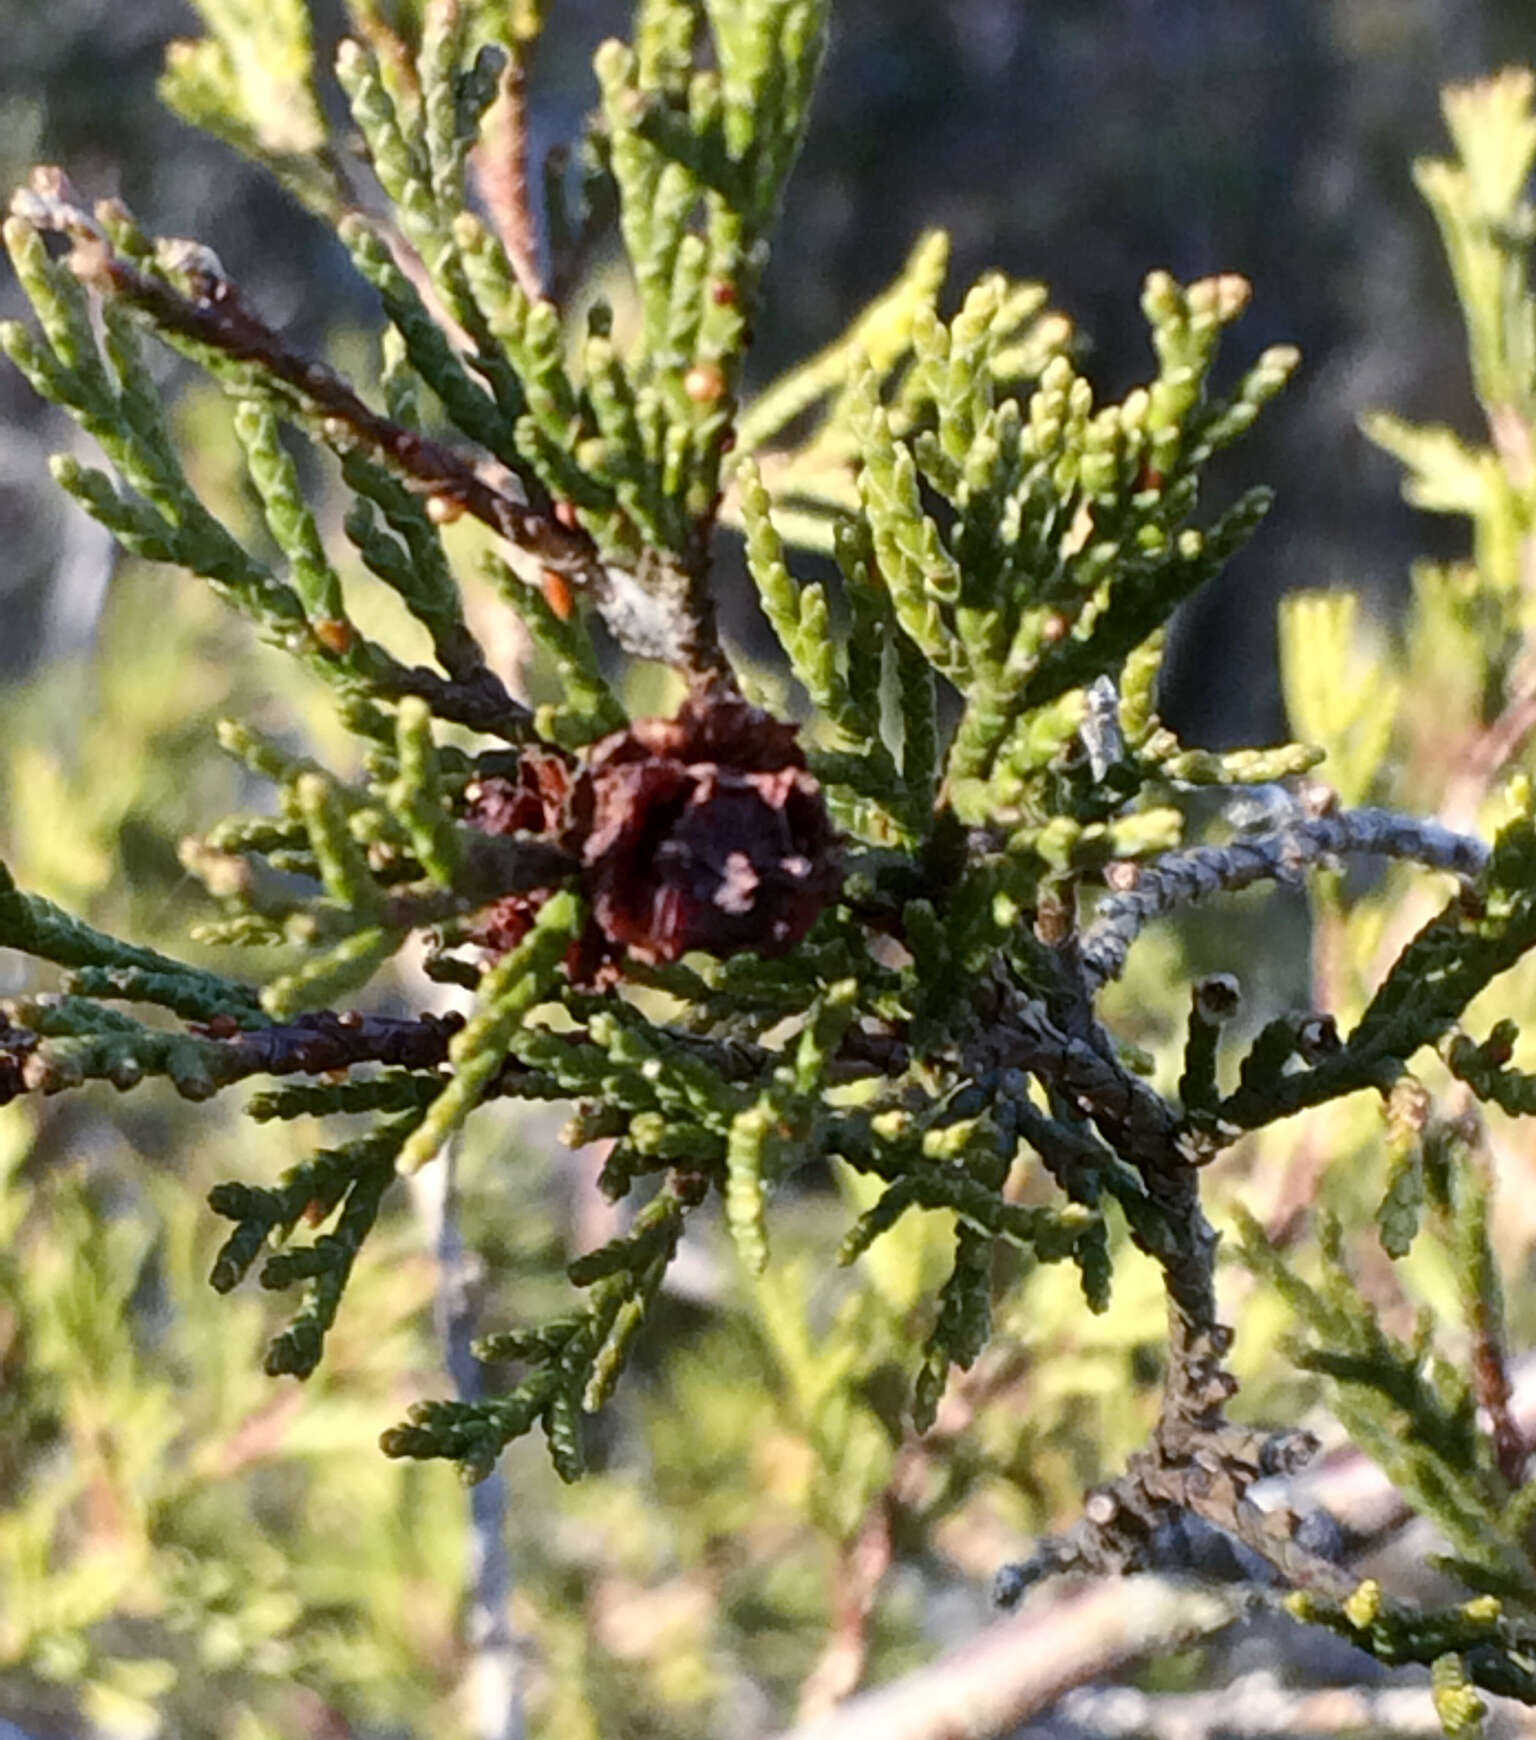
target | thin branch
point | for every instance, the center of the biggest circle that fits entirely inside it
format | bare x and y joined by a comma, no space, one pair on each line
215,316
1491,1383
317,1043
1020,1666
863,1564
1196,1462
1257,1705
661,611
223,1052
1017,1669
495,1690
324,1042
861,1568
1181,878
501,173
1482,759
474,696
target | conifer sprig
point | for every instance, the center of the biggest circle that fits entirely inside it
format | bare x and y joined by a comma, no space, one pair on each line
746,952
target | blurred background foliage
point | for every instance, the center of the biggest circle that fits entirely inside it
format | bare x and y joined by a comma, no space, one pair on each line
188,1548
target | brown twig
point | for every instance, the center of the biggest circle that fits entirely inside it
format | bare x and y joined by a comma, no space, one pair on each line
1490,1353
224,1052
660,611
215,318
1491,750
325,1042
211,316
1491,1386
320,1042
862,1564
501,173
386,43
475,696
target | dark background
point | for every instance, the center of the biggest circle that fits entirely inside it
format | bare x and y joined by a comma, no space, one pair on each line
1082,142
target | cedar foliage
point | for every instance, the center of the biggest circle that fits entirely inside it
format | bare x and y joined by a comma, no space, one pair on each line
875,950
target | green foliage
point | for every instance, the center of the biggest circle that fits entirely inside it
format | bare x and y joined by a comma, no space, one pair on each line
762,972
1463,1646
147,1540
1437,713
1414,1413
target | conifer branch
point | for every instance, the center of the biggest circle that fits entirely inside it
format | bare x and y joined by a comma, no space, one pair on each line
214,320
1181,878
742,950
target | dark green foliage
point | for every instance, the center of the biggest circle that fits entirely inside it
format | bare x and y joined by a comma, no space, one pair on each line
1416,1414
347,1182
577,1360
